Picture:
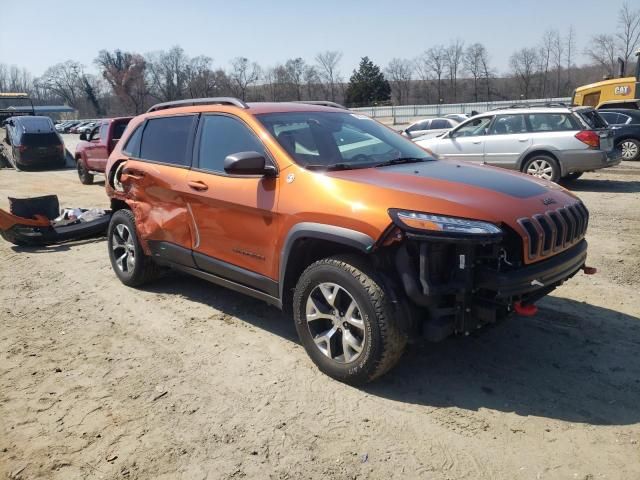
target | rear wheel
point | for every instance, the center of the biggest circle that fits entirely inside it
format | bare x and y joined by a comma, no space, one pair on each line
128,260
346,321
629,149
542,166
85,177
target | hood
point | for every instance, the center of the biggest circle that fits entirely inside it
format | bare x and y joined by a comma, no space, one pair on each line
459,189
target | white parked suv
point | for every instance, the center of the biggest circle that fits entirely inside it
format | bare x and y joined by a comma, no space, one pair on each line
552,142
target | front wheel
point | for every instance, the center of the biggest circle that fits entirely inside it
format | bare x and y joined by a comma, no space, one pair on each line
630,149
345,320
543,166
128,260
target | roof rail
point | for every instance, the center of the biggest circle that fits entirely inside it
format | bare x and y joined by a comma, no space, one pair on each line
324,103
533,105
199,101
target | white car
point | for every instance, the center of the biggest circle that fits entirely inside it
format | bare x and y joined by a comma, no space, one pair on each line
550,142
429,128
87,127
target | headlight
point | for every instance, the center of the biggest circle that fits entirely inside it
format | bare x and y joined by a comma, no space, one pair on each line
439,224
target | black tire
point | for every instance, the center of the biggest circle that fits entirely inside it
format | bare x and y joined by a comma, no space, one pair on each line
382,342
572,177
554,174
629,146
141,269
85,177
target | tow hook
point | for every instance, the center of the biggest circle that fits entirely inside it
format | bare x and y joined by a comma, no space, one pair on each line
525,310
589,270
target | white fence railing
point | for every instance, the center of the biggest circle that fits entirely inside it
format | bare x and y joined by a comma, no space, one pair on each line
405,112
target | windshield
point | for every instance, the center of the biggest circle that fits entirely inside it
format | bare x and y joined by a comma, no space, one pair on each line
338,140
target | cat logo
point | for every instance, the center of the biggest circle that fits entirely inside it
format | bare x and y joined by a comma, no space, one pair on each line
622,90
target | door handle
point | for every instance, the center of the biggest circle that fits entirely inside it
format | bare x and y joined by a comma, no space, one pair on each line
197,185
523,139
477,142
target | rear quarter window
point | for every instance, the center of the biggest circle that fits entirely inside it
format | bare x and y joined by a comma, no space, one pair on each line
551,122
132,147
593,119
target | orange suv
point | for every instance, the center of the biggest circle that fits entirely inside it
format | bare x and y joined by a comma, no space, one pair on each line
368,239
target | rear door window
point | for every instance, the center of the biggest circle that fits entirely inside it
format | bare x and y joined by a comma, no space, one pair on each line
439,123
508,124
165,140
423,125
551,122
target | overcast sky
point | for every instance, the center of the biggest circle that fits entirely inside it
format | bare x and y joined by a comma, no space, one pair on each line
36,34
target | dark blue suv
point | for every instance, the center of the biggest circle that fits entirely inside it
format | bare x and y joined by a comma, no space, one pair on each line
34,142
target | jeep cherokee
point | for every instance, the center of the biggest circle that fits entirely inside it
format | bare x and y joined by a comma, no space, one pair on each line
365,237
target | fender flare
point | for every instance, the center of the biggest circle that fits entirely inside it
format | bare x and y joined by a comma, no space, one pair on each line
345,236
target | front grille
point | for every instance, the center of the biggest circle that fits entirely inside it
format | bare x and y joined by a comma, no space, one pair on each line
554,230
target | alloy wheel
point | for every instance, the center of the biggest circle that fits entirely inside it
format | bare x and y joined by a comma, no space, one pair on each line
629,150
540,168
335,321
123,248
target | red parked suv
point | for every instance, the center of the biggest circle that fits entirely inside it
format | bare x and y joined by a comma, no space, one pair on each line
96,146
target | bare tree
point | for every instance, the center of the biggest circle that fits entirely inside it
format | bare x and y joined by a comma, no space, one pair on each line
167,73
523,64
311,79
295,69
545,59
423,71
473,64
201,80
436,57
570,47
487,73
629,34
91,87
63,80
602,50
327,64
454,54
125,73
557,55
242,75
399,72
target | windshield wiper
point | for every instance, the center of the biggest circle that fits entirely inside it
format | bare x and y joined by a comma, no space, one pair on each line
397,161
330,166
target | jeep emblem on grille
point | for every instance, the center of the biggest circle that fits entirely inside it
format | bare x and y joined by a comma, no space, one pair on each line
548,201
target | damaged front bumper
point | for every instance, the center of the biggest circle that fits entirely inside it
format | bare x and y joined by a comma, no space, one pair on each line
462,286
39,229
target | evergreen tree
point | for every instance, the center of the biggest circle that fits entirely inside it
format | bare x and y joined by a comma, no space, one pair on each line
367,85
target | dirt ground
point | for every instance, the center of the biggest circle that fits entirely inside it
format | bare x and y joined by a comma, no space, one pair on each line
186,380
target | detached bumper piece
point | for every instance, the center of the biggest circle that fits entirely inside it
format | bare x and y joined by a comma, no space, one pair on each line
463,286
31,222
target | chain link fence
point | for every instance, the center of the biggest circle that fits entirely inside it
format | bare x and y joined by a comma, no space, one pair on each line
403,113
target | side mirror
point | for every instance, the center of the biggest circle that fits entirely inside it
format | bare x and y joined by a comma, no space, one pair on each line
248,163
83,136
